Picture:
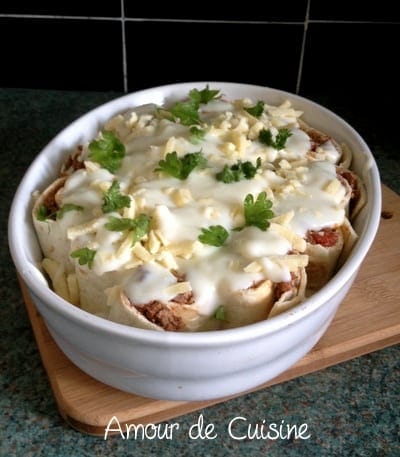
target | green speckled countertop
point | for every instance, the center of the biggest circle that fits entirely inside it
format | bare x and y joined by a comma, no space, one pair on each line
351,409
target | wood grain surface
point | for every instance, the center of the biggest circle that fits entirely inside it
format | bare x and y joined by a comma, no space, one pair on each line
367,320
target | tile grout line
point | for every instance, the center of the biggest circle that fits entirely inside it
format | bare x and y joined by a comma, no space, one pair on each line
200,21
212,21
124,57
343,21
303,46
144,19
54,16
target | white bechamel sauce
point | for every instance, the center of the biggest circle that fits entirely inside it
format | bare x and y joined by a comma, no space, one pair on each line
181,208
81,186
327,151
252,243
314,208
149,282
297,145
217,277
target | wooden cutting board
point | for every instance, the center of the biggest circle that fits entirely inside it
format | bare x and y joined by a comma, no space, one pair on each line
367,320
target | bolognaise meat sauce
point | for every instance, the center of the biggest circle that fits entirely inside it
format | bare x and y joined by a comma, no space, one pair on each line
326,237
50,203
161,315
185,298
73,162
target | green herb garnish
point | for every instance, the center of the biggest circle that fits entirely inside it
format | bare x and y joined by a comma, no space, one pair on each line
188,111
196,134
205,95
214,235
181,168
43,213
85,256
238,171
114,200
139,226
220,313
257,109
265,137
107,151
257,212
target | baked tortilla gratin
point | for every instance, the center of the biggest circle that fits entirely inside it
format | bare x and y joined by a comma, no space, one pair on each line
207,214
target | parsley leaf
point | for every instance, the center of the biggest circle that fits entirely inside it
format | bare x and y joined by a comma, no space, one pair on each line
119,224
171,165
181,168
107,151
142,228
257,109
257,213
205,95
43,213
238,171
220,313
214,235
265,136
139,226
85,256
196,134
187,112
281,138
114,200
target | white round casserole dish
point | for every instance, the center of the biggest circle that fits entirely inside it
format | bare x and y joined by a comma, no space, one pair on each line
187,366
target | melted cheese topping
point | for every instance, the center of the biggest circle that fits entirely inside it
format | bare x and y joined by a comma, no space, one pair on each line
305,195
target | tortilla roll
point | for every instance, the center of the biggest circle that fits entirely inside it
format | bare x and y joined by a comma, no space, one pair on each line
120,310
358,195
334,152
249,305
92,289
51,234
264,300
324,248
155,315
293,292
58,277
347,157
